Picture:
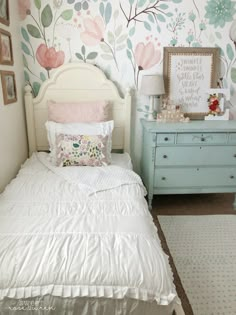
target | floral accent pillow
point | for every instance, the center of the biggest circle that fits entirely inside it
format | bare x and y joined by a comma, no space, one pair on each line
82,150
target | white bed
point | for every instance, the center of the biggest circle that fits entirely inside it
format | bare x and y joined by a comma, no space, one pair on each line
80,240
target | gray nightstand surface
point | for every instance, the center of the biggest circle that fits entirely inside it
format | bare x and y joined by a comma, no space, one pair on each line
185,158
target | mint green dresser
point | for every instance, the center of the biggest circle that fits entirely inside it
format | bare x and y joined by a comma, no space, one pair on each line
185,158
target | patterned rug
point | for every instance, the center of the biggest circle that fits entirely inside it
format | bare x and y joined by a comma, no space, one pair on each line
203,249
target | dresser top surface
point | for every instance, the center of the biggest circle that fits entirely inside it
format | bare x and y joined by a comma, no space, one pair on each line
192,126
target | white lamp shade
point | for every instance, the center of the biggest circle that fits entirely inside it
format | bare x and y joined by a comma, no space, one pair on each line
152,85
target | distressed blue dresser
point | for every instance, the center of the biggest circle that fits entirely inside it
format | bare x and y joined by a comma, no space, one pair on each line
185,158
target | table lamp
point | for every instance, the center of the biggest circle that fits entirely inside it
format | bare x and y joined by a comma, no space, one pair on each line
152,85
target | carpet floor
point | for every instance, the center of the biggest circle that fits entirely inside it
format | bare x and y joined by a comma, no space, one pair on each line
199,234
204,252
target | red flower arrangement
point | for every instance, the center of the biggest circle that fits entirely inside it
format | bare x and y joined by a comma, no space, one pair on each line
213,104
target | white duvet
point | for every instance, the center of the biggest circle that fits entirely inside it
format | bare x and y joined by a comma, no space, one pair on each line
80,231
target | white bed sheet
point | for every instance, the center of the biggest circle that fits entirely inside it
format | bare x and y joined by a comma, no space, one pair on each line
122,160
55,239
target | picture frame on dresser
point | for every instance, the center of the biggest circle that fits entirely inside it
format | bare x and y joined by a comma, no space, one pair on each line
4,12
188,74
6,53
8,87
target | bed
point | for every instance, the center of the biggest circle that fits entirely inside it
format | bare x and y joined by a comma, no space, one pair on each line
80,240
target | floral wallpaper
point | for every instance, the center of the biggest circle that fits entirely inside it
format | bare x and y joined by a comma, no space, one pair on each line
124,38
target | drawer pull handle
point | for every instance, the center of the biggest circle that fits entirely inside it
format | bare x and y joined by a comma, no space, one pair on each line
202,139
235,155
232,176
166,138
165,156
163,178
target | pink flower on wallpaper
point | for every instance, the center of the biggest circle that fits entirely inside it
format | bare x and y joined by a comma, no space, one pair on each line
94,31
49,58
146,56
23,8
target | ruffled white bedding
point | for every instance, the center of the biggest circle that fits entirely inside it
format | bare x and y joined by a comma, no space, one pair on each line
62,236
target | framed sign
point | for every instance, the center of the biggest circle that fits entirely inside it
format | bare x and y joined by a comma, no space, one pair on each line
6,55
8,87
4,12
189,73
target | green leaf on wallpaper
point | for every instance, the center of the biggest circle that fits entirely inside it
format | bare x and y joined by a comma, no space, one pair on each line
129,55
121,39
105,48
107,57
92,55
25,34
169,14
37,4
231,90
233,74
33,31
42,77
141,2
163,6
129,44
151,1
79,56
101,9
230,52
218,35
83,50
196,44
132,31
131,2
25,62
147,26
160,17
108,12
67,15
176,1
111,37
121,47
221,50
46,16
118,30
158,28
25,48
151,18
26,75
36,88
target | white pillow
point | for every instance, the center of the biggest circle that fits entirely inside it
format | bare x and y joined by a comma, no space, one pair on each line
100,128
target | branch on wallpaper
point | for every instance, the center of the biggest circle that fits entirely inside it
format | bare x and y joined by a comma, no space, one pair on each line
154,12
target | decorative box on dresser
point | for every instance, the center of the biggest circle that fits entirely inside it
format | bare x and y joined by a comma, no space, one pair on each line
185,158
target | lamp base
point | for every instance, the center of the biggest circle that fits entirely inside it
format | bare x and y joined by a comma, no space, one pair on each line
150,110
150,116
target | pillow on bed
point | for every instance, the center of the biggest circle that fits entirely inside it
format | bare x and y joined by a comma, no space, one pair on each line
96,111
82,150
54,130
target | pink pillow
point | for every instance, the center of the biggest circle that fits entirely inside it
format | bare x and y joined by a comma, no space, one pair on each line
96,111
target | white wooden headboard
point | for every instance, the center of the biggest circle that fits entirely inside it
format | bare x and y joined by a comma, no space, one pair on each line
70,83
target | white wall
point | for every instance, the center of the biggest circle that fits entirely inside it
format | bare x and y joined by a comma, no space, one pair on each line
13,143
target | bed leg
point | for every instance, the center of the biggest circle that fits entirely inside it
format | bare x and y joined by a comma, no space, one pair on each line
150,197
234,203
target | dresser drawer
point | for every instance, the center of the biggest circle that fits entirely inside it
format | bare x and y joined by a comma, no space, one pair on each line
202,138
232,138
165,138
194,177
195,155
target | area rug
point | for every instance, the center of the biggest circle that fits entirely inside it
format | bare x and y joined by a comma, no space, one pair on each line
203,249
